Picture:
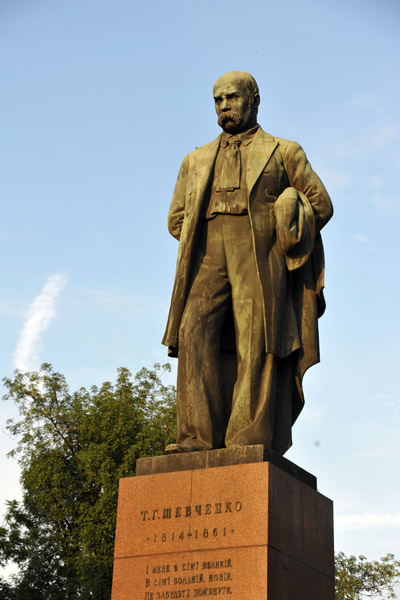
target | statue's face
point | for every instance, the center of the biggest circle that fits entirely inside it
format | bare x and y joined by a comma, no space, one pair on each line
236,109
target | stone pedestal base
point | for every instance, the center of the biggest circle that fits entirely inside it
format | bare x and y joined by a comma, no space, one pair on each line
244,532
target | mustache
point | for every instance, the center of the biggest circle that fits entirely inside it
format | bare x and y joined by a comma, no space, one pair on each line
228,116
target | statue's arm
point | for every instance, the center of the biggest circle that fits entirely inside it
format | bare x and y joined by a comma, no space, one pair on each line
304,179
302,209
177,209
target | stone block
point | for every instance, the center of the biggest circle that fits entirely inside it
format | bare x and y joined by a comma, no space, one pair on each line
244,531
222,458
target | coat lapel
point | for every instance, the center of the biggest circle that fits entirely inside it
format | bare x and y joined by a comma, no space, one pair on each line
260,152
205,158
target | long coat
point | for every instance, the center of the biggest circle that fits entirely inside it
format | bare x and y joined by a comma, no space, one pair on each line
288,205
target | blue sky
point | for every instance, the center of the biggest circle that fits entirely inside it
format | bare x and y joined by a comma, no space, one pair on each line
100,101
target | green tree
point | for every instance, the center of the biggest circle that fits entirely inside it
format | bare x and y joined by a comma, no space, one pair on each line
358,578
72,450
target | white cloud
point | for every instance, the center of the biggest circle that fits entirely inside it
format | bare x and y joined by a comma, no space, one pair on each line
363,100
375,183
369,142
361,238
40,313
377,453
388,400
384,134
381,202
366,520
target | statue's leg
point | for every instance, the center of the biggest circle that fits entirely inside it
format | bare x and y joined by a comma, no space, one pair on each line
263,380
199,388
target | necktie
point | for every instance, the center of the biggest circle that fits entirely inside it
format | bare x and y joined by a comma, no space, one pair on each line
231,167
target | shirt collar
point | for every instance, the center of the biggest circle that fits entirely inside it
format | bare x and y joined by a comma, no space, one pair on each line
245,137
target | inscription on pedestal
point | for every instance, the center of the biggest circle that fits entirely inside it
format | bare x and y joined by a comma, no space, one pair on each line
180,523
199,574
217,532
180,512
190,579
177,528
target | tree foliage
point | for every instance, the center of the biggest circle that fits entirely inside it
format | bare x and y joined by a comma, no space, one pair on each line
72,449
358,578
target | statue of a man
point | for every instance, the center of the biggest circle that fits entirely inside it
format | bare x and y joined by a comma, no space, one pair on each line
247,210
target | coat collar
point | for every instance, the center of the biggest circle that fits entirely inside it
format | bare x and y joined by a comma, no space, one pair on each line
261,150
245,138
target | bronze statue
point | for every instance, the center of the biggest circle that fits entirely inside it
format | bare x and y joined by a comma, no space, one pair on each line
247,210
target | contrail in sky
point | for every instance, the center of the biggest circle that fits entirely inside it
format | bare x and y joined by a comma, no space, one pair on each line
41,311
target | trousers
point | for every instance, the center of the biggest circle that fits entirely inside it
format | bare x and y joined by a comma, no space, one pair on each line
225,281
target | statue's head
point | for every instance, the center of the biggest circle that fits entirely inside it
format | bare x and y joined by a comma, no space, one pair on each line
236,99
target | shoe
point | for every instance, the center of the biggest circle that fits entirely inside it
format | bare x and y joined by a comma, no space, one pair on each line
180,449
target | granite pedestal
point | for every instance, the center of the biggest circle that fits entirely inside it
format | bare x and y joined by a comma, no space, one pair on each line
254,528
